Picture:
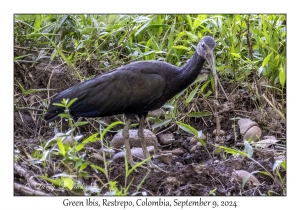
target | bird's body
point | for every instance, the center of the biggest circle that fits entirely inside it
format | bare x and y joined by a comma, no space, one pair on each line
133,89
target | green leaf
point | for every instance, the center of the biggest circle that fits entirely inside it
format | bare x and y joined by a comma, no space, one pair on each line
236,55
63,115
71,102
232,151
142,28
79,147
191,36
192,94
98,168
91,138
37,23
136,165
201,141
199,114
68,182
282,76
180,47
80,123
248,149
189,20
109,127
187,128
61,146
266,60
58,104
160,123
283,165
56,182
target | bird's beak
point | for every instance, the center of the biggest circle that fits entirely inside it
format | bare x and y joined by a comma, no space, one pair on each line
211,61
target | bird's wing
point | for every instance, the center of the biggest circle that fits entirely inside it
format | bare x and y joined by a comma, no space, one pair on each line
117,92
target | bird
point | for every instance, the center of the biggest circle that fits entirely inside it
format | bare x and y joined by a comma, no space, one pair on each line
133,90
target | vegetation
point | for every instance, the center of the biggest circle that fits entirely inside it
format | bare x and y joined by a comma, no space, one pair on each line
250,55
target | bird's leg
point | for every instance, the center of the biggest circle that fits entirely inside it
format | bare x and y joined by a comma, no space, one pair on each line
125,134
143,142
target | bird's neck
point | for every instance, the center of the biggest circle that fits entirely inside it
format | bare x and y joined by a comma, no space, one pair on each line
189,72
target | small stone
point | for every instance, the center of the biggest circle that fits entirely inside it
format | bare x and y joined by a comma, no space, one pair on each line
177,151
136,152
254,132
107,152
196,146
194,140
222,133
245,124
166,138
164,158
150,138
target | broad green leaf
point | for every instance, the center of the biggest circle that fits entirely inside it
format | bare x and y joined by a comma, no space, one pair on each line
189,20
248,149
109,127
199,114
192,94
56,182
79,147
160,123
282,76
236,55
58,104
98,168
142,28
63,115
187,128
266,60
37,23
80,123
68,182
283,165
191,36
181,47
61,146
169,106
91,138
71,102
232,151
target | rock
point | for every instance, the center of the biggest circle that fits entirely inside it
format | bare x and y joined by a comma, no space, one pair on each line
241,175
107,152
254,132
97,156
166,138
177,151
64,138
136,152
194,140
164,158
245,124
195,147
222,133
249,128
156,112
150,139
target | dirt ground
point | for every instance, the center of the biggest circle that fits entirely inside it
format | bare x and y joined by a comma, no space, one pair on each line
197,170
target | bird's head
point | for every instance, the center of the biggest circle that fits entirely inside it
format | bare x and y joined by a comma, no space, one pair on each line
205,49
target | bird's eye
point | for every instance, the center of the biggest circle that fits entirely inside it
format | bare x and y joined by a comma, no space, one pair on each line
203,45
